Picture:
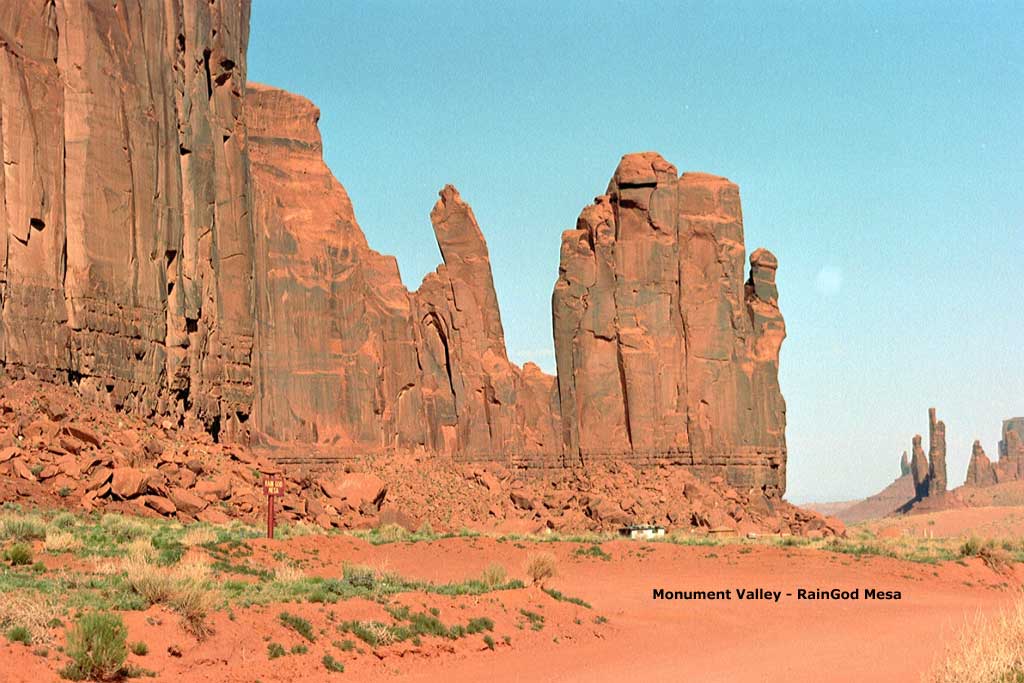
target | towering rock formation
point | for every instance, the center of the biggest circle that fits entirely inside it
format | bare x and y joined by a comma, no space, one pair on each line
332,313
919,468
663,352
1011,452
483,406
904,465
126,264
174,245
936,455
346,356
929,472
980,471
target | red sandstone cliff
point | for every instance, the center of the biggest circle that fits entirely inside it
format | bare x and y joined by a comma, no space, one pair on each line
125,243
175,246
345,356
663,352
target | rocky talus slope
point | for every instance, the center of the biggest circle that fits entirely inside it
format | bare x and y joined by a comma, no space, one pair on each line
57,449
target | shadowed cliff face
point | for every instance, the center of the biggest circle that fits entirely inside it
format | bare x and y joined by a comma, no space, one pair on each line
175,246
663,351
126,259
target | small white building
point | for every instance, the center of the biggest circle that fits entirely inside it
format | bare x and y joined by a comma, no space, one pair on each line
644,531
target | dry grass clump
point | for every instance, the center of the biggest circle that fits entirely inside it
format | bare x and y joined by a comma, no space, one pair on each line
996,556
30,611
382,633
987,650
183,587
193,601
125,528
58,541
198,535
288,573
140,549
541,567
494,576
300,528
391,533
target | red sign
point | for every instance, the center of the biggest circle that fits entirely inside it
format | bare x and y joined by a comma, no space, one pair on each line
273,485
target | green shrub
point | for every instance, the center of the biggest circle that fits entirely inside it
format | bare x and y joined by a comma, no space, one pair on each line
345,645
594,550
332,664
19,554
19,634
536,620
140,648
489,642
298,624
480,624
97,646
558,595
360,577
275,650
23,528
64,520
299,649
971,547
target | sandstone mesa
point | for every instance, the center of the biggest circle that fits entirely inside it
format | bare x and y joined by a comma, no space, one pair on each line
176,249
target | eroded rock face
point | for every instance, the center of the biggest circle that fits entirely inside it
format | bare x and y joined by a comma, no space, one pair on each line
664,353
346,356
936,455
332,313
980,471
126,258
174,246
1010,466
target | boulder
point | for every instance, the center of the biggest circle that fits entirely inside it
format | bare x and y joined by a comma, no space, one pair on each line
218,488
22,470
160,504
522,499
355,489
127,482
393,515
186,501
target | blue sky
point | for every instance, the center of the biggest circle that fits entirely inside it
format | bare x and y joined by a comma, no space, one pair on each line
877,146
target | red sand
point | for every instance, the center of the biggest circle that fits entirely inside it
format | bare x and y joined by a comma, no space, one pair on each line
644,639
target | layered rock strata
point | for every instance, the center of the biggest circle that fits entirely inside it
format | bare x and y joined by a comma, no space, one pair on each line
664,352
125,245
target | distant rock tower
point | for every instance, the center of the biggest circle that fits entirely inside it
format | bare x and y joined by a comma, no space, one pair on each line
930,471
936,455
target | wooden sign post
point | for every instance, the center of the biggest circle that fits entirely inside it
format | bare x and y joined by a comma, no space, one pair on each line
272,486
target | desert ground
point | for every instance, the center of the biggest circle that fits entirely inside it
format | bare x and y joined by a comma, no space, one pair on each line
222,602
